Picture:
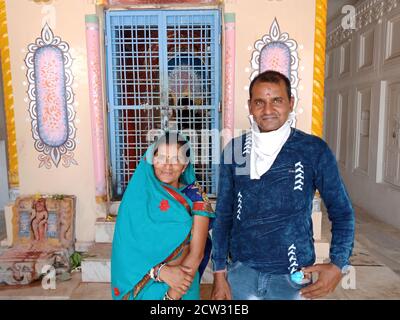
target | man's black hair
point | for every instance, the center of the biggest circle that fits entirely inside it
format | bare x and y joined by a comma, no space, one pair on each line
271,76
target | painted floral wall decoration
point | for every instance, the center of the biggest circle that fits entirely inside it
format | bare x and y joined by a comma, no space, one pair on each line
51,100
276,51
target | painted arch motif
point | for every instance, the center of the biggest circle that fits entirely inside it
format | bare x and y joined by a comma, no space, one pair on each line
51,100
276,51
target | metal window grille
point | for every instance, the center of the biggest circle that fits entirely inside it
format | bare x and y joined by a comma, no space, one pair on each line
163,71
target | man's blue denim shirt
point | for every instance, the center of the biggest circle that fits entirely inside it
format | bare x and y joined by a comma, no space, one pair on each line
266,223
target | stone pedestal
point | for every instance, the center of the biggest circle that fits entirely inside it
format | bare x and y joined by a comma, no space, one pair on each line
40,236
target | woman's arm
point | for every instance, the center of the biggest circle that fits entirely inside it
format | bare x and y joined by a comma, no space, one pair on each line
196,250
175,275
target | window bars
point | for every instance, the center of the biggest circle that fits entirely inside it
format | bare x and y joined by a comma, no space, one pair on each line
163,72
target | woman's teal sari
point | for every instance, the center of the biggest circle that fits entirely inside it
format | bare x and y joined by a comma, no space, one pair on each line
151,224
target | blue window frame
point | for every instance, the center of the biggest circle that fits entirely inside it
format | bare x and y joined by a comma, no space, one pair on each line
163,71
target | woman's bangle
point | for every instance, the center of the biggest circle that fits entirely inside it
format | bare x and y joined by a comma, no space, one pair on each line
157,276
151,274
167,297
155,271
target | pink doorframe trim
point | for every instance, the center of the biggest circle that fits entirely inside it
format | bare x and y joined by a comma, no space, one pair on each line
229,87
96,105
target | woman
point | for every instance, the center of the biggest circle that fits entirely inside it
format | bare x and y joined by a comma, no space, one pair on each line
162,227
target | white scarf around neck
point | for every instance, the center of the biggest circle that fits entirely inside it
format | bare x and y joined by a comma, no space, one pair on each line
266,146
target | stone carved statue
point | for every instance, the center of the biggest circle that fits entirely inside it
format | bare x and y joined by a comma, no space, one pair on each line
65,222
39,219
43,235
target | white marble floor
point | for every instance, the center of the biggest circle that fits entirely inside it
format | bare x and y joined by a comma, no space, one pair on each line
376,259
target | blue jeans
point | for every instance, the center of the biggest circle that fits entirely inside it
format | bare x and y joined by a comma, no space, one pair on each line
249,284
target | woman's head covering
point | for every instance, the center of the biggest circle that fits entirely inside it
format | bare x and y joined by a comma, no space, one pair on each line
150,225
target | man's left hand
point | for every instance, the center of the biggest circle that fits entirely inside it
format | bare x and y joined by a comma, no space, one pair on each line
329,275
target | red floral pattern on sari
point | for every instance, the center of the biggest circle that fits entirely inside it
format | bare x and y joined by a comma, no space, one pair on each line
164,205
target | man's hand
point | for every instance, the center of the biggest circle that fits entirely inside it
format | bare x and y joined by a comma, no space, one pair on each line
329,275
221,289
178,278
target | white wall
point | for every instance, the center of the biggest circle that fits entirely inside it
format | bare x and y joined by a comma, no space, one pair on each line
67,20
253,21
362,86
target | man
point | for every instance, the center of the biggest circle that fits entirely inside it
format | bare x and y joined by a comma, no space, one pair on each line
262,237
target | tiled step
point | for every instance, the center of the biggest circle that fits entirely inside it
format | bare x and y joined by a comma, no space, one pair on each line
96,264
96,267
105,228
